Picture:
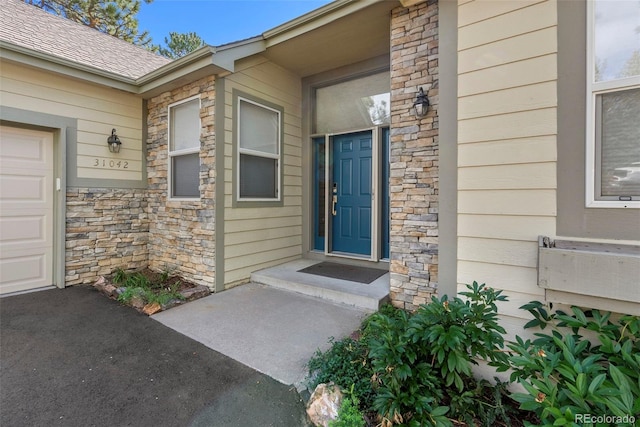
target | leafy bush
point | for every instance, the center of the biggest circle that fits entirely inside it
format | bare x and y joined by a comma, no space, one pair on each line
120,276
423,362
345,364
566,375
349,414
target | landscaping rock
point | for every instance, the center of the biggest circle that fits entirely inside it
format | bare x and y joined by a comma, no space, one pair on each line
324,404
105,287
188,291
137,303
152,308
196,292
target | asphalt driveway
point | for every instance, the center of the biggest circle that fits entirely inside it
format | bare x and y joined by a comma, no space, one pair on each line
72,357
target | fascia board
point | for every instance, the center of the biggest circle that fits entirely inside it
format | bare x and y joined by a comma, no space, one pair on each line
197,58
227,55
315,19
21,55
202,62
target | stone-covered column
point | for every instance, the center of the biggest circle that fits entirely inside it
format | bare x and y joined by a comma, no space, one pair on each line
182,233
414,156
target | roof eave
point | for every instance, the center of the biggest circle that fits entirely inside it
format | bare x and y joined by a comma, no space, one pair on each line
315,19
205,61
15,53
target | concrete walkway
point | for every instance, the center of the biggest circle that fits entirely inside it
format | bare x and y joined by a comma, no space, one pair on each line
270,330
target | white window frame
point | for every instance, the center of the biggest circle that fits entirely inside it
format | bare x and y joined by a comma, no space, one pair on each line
176,153
277,157
594,89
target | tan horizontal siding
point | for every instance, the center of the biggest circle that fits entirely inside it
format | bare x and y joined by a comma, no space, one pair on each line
498,251
504,26
509,278
262,233
507,127
508,177
534,149
521,124
529,45
97,110
477,11
522,98
508,202
514,74
258,237
500,226
255,246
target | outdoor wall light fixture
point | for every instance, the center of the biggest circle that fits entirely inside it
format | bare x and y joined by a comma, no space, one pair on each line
114,142
422,104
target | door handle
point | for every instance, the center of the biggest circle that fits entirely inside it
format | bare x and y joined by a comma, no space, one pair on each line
334,202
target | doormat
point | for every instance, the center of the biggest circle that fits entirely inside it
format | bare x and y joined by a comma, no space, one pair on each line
344,272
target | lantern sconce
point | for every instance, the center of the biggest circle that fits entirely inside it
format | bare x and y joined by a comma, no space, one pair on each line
421,105
114,142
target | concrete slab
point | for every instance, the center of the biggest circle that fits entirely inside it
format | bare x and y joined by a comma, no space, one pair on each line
288,277
270,330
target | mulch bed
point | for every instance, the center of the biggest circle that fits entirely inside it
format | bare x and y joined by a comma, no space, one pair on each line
189,291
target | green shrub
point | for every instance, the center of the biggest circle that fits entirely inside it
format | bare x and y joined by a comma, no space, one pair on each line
349,414
345,364
566,375
120,276
133,292
138,285
422,362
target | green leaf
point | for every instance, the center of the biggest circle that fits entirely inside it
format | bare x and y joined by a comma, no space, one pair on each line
581,384
596,383
618,377
439,411
532,324
452,361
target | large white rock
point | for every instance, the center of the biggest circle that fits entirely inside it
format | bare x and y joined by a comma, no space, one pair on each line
324,404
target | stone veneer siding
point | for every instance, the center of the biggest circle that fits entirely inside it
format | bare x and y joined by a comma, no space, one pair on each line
105,229
414,156
182,233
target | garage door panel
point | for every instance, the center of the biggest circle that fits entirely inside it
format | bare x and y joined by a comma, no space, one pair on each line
26,209
24,189
27,147
19,273
24,229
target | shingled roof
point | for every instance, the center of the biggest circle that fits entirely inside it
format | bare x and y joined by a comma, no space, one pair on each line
32,28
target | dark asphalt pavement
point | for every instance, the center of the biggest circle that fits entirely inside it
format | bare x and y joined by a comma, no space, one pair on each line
72,357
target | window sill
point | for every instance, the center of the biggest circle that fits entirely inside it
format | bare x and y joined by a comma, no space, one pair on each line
632,204
594,275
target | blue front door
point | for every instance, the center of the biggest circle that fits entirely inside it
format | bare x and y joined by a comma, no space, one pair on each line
350,193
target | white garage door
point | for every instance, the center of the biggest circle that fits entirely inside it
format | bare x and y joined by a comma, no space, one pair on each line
26,209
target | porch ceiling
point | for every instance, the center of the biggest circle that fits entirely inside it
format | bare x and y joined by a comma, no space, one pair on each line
345,40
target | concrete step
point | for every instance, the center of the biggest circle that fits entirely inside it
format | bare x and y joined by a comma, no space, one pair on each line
287,277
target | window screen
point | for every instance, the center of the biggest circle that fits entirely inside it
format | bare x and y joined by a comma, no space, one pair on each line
259,130
184,149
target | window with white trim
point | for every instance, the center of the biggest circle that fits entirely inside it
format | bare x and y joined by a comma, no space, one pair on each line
613,105
258,160
184,149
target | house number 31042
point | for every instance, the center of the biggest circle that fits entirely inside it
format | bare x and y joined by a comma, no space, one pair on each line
112,164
